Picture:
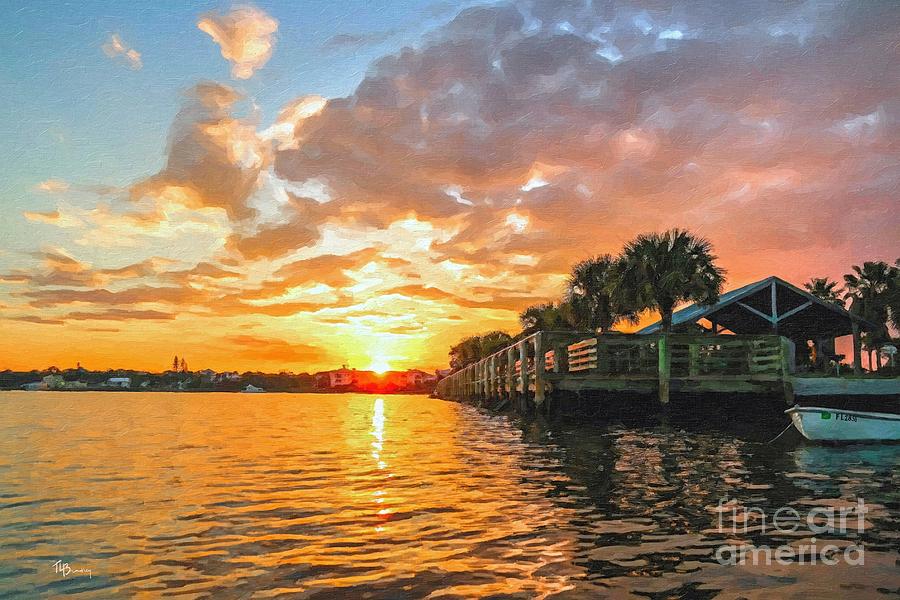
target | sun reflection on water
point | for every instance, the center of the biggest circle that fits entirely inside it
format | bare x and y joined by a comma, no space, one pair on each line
377,432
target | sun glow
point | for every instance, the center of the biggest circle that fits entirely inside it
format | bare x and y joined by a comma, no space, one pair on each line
379,365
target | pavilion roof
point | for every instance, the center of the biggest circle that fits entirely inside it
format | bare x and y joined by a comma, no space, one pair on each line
771,304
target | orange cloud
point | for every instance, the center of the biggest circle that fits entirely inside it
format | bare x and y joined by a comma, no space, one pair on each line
273,349
53,217
465,175
116,49
245,35
215,159
52,186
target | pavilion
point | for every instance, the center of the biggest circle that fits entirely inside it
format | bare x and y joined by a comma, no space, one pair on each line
773,305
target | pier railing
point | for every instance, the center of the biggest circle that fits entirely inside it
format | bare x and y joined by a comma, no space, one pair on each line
574,361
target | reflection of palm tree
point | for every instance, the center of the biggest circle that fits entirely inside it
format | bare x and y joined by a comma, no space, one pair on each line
658,271
869,287
824,289
591,295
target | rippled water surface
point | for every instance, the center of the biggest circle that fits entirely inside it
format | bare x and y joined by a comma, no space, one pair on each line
323,496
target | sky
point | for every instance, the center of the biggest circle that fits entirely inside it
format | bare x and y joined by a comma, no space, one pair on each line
299,185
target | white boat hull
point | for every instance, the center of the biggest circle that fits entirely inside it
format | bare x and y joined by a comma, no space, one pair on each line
833,425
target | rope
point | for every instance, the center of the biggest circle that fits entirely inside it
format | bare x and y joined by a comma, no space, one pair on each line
780,434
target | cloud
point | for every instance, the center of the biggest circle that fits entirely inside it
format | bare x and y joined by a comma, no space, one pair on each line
343,41
52,186
245,35
606,117
465,174
118,50
215,159
289,118
115,314
53,217
265,348
37,320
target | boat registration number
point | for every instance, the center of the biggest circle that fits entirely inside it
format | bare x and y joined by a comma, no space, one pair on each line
839,416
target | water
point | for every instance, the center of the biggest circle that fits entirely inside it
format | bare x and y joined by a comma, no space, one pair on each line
333,496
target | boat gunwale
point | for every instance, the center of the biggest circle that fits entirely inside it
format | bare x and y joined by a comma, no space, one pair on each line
858,413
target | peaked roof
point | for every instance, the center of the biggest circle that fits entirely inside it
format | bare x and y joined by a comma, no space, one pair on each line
750,309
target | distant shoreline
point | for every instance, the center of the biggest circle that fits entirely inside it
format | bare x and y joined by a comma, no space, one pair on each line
211,390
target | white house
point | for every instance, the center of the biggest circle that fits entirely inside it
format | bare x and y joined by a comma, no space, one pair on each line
120,382
341,377
417,378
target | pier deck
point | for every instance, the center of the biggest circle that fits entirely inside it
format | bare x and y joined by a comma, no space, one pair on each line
660,364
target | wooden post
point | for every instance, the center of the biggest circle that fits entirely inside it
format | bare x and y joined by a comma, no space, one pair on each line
523,369
492,385
560,358
538,369
602,362
787,367
476,381
510,374
665,367
774,307
693,359
857,350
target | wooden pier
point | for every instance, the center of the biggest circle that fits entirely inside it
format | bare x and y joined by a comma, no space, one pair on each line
535,367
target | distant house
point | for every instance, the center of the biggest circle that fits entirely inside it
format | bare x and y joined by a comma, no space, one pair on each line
119,382
337,378
370,380
49,382
416,378
53,382
207,373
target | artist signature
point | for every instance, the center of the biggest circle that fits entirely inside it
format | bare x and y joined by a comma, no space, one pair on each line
65,570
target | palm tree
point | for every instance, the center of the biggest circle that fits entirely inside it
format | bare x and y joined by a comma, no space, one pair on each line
545,317
465,353
493,341
824,289
472,349
660,270
869,289
893,296
590,292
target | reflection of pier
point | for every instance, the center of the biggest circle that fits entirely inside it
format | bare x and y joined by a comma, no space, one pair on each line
660,364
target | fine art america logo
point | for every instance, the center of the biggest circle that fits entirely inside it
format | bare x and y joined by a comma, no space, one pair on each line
788,521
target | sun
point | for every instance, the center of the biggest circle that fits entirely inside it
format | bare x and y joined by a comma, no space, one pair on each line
380,365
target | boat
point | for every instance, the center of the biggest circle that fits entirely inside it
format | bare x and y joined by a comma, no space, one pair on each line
819,424
252,389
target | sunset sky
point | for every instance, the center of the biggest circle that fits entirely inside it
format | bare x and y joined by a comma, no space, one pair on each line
296,185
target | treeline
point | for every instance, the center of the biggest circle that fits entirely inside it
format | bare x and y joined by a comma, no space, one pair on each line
658,271
871,291
170,380
654,271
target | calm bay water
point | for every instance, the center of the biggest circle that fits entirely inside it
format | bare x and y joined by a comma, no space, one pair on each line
321,496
